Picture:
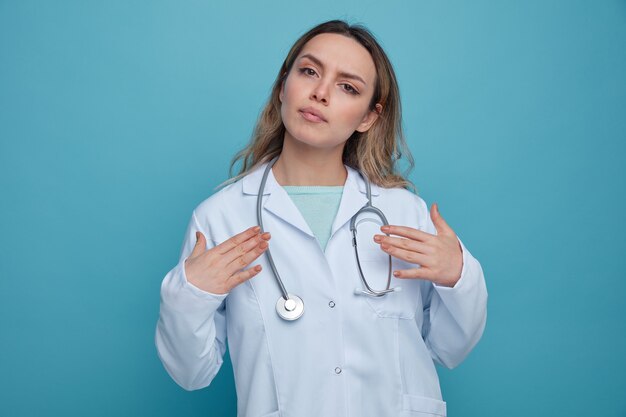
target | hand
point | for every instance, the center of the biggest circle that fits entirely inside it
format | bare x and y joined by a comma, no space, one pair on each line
218,270
440,256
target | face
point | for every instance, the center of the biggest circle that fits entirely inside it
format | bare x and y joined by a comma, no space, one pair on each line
325,97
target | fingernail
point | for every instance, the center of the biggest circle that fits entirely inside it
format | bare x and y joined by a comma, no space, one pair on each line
257,229
385,228
377,238
197,235
396,273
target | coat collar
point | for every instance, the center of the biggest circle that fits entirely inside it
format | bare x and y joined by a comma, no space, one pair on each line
278,202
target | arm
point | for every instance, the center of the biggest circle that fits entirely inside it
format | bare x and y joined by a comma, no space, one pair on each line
191,330
454,317
454,295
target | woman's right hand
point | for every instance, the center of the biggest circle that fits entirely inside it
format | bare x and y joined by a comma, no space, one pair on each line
218,270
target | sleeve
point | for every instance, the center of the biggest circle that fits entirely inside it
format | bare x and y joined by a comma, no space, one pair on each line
191,330
454,317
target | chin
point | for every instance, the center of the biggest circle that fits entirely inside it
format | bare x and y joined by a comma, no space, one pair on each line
311,137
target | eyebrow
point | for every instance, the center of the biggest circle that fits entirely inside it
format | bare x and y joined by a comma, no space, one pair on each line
341,74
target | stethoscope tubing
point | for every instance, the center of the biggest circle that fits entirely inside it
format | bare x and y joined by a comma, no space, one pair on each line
291,307
259,216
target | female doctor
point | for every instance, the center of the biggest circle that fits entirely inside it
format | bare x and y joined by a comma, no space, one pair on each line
315,325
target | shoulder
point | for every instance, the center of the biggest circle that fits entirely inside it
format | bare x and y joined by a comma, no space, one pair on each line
401,195
406,203
230,209
219,202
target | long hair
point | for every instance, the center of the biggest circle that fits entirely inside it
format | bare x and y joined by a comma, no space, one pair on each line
375,152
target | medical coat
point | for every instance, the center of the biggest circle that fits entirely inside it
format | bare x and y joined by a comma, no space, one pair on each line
349,354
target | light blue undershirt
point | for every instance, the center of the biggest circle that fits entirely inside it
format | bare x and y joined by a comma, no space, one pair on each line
319,206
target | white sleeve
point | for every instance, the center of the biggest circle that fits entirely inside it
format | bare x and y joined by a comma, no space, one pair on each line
454,317
191,330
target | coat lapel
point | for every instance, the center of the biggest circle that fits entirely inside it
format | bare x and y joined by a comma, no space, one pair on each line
353,199
277,201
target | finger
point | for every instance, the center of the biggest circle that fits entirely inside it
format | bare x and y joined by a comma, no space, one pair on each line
243,276
407,232
405,255
242,249
402,243
438,221
237,239
244,260
200,245
420,273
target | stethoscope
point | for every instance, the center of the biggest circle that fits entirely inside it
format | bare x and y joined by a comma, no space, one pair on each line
290,306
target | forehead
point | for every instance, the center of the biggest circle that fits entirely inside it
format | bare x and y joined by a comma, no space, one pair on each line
341,53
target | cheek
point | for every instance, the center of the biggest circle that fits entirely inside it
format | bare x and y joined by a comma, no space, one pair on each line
285,94
286,101
286,109
284,115
290,87
353,115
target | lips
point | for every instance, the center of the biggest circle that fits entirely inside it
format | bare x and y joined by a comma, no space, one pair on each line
312,115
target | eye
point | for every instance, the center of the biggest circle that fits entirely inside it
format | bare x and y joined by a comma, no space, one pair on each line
349,89
307,71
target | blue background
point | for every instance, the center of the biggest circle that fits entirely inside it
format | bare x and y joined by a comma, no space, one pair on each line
117,118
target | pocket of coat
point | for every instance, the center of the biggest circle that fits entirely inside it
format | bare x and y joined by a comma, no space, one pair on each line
375,267
396,304
423,406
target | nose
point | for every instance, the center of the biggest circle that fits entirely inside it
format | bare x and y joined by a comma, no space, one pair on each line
321,92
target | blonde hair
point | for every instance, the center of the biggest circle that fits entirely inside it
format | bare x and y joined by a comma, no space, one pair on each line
374,152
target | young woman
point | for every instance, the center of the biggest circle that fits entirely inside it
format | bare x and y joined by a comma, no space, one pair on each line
315,325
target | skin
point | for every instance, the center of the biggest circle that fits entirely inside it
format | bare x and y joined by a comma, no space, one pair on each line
335,75
312,151
440,256
219,269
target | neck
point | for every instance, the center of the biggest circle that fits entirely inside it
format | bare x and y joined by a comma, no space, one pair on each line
306,166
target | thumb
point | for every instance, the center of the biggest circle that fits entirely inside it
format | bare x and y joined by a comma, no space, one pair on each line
200,245
438,221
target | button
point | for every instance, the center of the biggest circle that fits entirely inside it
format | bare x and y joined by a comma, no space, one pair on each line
337,370
331,304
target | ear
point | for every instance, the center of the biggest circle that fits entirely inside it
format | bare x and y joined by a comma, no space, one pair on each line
370,118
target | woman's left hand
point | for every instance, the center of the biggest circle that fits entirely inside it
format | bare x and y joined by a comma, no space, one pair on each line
440,256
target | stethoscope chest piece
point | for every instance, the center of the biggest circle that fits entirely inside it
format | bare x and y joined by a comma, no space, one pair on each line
290,309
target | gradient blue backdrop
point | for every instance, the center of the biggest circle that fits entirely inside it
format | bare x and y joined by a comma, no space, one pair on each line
117,118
